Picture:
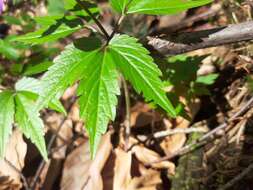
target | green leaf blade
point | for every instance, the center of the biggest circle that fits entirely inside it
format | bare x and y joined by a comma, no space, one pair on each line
28,84
139,68
207,79
37,69
67,68
8,50
32,88
7,111
119,5
29,122
55,7
154,7
99,96
46,35
52,29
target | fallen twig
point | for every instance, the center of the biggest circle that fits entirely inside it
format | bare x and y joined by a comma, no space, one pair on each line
162,134
127,122
187,42
26,186
215,133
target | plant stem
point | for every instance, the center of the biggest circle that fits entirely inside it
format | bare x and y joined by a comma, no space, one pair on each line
128,114
121,18
93,18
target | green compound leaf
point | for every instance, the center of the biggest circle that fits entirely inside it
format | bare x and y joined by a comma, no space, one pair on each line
98,96
155,7
29,122
98,90
7,110
139,68
96,67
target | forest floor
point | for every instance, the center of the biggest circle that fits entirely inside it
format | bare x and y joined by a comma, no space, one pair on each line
209,148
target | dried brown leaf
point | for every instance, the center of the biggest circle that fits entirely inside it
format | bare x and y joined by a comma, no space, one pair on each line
173,143
123,180
80,172
147,156
122,169
141,115
15,154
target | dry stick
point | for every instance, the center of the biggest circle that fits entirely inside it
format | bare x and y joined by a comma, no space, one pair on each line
26,186
128,114
224,125
237,178
82,4
67,143
207,137
58,135
187,42
166,133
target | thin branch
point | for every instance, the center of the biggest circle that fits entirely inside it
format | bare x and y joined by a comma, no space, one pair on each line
207,137
26,186
55,132
128,114
187,42
82,4
224,125
166,133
